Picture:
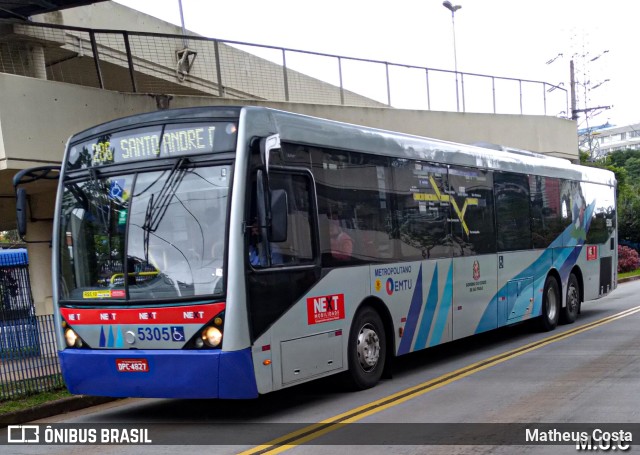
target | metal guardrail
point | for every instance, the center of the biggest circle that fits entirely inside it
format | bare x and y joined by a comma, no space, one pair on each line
28,354
194,65
31,369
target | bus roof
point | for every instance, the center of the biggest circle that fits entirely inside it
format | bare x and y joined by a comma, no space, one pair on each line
310,130
307,130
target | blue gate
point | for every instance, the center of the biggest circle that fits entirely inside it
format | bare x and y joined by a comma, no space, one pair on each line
18,324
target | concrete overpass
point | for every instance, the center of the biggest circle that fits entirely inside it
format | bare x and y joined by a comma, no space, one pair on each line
23,9
57,90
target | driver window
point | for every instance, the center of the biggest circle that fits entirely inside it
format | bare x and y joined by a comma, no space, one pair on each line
298,248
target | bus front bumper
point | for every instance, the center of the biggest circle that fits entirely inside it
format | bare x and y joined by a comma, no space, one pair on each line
169,373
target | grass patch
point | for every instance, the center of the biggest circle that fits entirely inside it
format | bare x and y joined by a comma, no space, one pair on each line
30,401
14,390
628,274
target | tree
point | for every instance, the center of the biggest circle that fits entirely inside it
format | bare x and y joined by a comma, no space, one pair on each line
628,160
628,220
625,164
9,237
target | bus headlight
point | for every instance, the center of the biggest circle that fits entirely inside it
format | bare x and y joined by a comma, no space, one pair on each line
72,338
212,336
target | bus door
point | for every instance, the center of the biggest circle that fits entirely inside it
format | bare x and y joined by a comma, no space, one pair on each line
282,265
473,234
516,280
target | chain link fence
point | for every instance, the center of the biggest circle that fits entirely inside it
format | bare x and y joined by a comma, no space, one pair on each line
194,65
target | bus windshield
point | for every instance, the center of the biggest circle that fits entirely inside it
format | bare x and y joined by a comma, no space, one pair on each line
147,235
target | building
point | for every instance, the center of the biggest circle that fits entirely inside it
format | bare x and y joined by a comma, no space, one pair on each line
604,139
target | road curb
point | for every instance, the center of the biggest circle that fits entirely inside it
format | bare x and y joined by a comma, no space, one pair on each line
61,406
629,278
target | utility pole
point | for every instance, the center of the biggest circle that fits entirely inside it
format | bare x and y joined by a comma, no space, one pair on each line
587,111
572,82
574,110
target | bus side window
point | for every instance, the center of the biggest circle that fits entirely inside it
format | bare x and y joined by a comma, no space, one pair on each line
341,242
297,249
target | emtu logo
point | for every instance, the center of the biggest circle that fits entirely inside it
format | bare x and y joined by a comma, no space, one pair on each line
390,286
398,285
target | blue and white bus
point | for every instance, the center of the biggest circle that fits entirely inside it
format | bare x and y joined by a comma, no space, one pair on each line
227,252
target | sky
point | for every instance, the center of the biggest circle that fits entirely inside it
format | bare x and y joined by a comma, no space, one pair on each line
508,38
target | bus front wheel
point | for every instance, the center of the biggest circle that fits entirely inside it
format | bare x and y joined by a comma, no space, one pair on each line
570,312
367,349
550,305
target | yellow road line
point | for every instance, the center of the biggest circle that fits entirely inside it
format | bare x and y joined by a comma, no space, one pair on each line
316,430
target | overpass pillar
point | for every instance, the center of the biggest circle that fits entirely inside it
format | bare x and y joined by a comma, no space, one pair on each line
35,64
40,266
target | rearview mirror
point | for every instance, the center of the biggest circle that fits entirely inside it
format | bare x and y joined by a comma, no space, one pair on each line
21,211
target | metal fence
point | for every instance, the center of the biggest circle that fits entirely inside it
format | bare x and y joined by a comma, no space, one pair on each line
28,354
195,65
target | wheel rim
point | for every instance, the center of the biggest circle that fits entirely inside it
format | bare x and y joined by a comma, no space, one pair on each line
368,347
552,304
572,298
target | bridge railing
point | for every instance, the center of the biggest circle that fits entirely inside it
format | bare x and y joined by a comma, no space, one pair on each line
194,65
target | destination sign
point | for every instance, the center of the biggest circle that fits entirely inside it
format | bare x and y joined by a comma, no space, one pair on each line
152,143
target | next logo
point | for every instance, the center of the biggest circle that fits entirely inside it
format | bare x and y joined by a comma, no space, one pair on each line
325,308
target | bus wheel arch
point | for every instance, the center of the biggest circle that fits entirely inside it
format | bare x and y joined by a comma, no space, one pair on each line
370,344
551,302
573,297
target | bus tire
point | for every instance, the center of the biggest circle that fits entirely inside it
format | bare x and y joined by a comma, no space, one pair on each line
570,312
367,349
550,305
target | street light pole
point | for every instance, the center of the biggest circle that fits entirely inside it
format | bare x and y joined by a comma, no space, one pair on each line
184,33
453,8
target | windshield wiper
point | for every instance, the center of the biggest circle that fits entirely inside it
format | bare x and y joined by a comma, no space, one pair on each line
101,202
79,195
159,203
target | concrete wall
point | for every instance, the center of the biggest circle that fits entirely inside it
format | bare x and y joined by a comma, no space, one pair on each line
38,116
548,135
110,16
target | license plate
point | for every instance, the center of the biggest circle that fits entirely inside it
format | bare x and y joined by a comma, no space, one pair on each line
132,365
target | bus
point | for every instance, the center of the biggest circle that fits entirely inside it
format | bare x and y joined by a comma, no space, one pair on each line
228,252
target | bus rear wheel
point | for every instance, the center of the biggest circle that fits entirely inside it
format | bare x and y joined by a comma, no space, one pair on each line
367,349
570,312
550,305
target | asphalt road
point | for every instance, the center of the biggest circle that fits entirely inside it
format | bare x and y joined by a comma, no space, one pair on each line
579,377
